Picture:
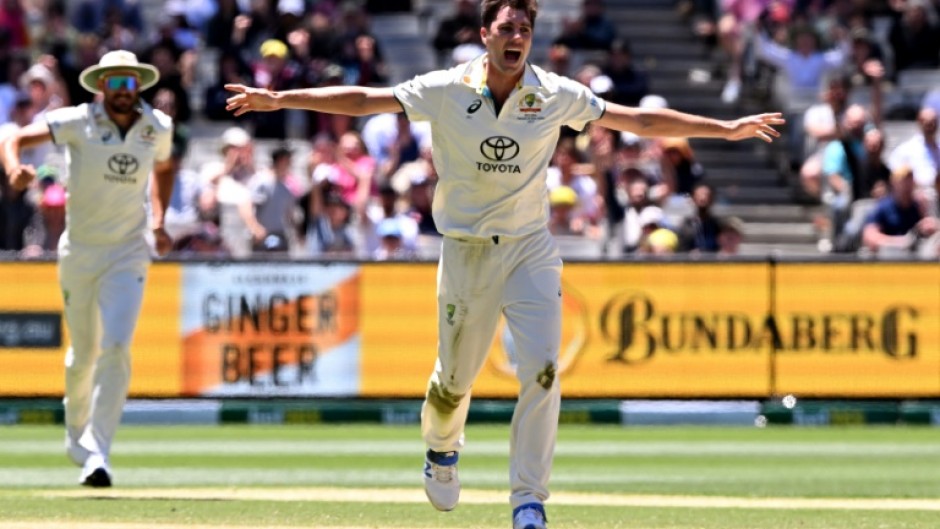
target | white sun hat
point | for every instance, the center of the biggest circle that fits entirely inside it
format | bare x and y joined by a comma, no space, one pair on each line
115,61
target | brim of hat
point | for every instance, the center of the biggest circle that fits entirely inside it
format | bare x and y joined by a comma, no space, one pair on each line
149,75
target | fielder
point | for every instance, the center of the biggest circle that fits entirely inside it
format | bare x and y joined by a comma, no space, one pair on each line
111,147
494,124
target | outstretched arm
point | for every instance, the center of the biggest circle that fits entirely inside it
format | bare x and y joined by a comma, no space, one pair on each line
348,100
670,123
28,136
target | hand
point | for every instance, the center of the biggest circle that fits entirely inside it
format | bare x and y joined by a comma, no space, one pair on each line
162,242
21,176
247,99
874,69
757,126
927,226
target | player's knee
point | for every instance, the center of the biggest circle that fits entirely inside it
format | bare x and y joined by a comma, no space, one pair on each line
442,399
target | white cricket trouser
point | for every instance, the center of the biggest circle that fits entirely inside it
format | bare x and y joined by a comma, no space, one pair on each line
477,279
102,289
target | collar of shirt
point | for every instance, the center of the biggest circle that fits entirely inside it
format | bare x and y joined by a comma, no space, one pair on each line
101,115
474,76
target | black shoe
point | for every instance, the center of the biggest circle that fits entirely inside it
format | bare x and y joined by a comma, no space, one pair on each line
98,479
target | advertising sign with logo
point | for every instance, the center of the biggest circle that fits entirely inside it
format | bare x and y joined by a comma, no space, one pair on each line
858,330
33,335
628,330
270,330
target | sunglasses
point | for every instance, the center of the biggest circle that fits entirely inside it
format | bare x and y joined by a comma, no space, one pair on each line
119,82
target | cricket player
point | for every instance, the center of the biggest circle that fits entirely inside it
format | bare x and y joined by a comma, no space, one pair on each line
111,147
494,124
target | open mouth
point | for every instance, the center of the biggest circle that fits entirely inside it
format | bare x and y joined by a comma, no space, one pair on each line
512,55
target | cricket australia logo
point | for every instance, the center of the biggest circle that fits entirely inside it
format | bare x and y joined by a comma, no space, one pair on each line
451,309
121,166
499,149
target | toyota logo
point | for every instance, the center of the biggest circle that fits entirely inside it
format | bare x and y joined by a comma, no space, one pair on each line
499,148
123,164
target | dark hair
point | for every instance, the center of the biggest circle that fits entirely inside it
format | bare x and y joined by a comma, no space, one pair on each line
490,8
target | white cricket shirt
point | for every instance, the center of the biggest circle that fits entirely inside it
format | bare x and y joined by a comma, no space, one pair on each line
107,187
492,168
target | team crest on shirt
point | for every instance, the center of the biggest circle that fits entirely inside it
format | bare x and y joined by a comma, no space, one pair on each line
530,108
148,134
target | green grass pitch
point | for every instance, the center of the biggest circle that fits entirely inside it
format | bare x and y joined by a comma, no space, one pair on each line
369,476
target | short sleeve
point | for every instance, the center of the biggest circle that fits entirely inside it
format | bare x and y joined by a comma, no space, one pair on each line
164,144
67,123
581,104
834,160
423,96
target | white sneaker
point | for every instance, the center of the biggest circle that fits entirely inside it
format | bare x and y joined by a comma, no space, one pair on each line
440,479
96,473
529,516
731,92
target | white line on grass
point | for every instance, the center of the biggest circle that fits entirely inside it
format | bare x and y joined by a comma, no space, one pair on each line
235,447
471,496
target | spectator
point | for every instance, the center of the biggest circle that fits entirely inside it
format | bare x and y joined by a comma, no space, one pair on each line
875,174
420,195
804,66
821,121
914,38
737,21
461,27
91,16
392,141
275,204
221,26
13,23
922,154
10,93
637,212
277,72
700,231
330,231
568,170
392,241
592,30
841,166
681,173
730,236
660,241
563,202
231,70
165,59
16,210
51,212
866,63
225,194
629,84
182,219
898,221
559,59
86,52
387,207
364,67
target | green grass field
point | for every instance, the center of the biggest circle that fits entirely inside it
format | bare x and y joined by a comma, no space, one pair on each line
369,476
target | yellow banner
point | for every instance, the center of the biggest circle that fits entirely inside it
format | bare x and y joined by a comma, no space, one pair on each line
31,289
628,330
859,330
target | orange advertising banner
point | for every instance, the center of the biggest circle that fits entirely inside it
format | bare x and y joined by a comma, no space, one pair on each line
270,329
33,335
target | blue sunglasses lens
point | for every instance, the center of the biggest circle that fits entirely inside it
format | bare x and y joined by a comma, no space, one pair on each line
118,82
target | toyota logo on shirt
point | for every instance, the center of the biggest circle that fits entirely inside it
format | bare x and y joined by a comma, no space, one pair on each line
123,164
499,148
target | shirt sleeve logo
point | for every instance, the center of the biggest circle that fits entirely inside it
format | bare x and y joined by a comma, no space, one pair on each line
477,103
